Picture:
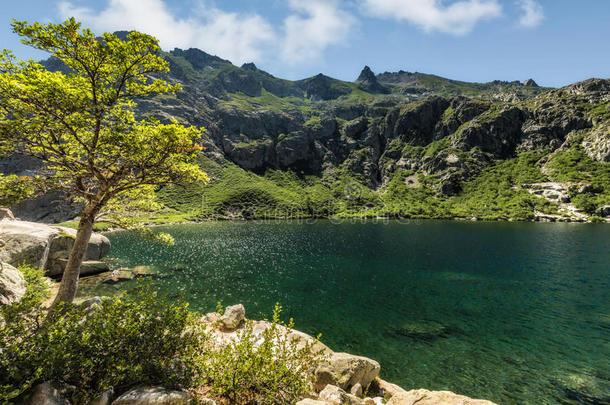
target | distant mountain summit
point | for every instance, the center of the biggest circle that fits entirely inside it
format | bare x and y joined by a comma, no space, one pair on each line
368,82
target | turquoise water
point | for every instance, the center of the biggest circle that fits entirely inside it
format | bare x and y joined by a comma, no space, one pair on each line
515,312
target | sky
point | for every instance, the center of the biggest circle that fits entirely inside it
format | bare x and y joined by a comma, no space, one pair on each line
555,42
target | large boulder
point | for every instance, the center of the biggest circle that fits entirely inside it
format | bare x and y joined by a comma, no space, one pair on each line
12,284
345,370
233,316
153,396
34,243
425,397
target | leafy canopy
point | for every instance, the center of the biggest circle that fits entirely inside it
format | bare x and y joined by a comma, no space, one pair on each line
81,123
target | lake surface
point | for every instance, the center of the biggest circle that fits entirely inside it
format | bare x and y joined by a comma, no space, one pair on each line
517,313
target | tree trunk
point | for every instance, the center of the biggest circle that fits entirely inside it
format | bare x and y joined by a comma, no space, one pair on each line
69,280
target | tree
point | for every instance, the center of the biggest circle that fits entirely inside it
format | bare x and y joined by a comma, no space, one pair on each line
82,125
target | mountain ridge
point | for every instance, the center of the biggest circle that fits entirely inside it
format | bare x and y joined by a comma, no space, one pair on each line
392,144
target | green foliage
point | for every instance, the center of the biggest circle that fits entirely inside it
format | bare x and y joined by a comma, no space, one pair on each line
495,194
82,124
142,338
408,201
270,368
573,165
15,188
137,339
447,87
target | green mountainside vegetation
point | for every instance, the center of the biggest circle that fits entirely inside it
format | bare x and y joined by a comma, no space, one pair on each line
400,144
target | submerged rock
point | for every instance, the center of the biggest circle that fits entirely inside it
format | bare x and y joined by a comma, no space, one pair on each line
425,330
585,389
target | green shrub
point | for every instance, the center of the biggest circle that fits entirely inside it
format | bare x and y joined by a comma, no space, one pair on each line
268,368
137,339
144,339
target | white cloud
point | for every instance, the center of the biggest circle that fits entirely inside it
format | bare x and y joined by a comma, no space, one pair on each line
309,29
239,38
457,18
533,14
314,26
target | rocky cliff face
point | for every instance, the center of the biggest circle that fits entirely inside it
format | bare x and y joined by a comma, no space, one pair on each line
377,126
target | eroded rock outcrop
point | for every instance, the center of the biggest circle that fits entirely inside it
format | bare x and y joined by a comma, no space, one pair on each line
47,247
597,145
233,317
346,370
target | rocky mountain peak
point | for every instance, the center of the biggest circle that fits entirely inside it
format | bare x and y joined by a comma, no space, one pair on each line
368,82
249,66
530,83
366,75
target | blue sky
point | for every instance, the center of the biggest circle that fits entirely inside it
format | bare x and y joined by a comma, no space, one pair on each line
556,42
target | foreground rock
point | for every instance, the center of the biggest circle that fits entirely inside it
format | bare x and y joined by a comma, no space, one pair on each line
346,370
233,316
153,396
425,397
12,284
335,395
309,401
342,378
45,246
387,388
5,213
46,394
